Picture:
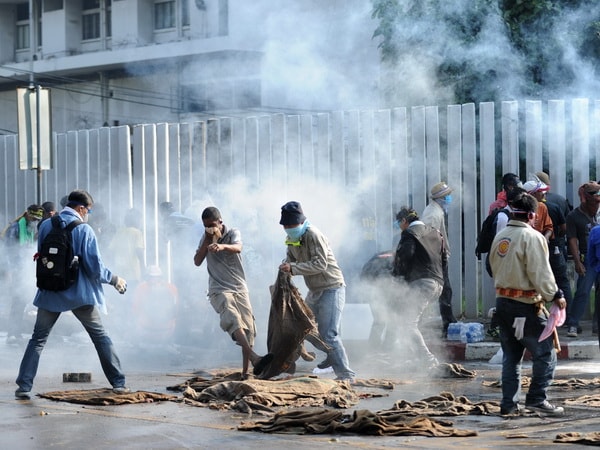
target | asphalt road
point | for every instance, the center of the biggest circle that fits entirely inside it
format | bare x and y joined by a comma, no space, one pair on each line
40,423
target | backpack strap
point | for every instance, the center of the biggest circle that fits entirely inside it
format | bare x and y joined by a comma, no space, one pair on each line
73,224
56,223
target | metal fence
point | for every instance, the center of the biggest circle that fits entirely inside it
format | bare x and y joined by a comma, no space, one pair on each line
352,170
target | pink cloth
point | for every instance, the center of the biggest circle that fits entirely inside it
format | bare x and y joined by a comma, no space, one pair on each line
555,319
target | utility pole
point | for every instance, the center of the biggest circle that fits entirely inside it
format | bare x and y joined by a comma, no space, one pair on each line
32,85
34,116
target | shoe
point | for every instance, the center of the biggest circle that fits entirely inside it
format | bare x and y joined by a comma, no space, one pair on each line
350,380
21,394
121,390
494,333
318,371
572,332
516,410
325,363
546,408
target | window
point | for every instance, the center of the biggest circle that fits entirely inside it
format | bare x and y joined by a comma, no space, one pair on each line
185,13
22,26
223,17
91,18
164,15
90,26
53,5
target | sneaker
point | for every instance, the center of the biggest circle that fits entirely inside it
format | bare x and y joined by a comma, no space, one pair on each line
325,363
516,410
21,394
546,408
350,380
121,390
318,371
494,333
572,332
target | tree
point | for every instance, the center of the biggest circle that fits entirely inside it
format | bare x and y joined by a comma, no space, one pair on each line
486,50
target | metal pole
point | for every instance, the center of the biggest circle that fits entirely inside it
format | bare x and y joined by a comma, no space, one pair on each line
32,44
38,144
32,50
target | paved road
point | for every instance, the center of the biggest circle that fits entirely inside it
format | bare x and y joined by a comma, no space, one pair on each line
41,423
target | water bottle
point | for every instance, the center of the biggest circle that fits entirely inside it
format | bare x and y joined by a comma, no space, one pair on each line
454,331
474,332
75,263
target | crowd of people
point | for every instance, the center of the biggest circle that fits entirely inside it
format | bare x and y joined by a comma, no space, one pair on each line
536,233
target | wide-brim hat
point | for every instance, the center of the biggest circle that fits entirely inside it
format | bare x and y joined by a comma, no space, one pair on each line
544,177
292,214
440,190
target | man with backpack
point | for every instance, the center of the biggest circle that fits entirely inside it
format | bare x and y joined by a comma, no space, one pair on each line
83,297
497,218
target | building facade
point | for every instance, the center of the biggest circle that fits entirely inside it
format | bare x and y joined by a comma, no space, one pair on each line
115,62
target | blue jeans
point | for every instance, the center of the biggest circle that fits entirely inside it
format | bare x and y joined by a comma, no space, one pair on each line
327,307
90,319
582,296
542,353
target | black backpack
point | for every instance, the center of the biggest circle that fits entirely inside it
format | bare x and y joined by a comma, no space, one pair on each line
379,265
488,232
56,266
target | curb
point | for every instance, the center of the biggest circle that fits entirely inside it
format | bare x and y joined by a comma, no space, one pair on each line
477,351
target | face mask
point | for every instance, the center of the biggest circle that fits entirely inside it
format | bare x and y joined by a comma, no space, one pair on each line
396,224
294,234
446,203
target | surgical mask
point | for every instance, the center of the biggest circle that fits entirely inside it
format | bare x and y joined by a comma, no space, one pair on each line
294,234
446,203
396,224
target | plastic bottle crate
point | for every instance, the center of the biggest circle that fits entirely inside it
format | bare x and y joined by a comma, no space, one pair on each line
466,332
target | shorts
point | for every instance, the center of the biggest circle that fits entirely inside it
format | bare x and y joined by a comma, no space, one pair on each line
235,312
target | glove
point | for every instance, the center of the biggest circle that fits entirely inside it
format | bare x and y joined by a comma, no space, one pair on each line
519,325
119,283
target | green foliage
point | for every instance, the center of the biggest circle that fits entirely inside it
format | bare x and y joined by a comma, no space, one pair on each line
450,35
